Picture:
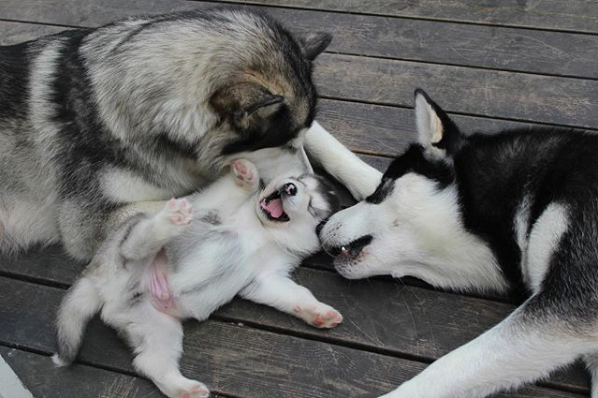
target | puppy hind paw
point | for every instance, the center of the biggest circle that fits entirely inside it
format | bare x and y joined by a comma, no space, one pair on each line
191,389
245,173
179,211
324,317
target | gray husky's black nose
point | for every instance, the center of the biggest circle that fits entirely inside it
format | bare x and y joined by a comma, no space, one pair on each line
289,189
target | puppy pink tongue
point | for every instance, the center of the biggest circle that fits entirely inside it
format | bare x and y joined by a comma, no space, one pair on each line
275,208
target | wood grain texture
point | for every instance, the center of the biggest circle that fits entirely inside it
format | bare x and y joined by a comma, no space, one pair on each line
429,41
43,379
380,315
554,53
473,91
87,13
15,32
573,15
231,359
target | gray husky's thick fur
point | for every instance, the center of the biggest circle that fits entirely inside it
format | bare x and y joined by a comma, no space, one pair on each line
98,125
513,212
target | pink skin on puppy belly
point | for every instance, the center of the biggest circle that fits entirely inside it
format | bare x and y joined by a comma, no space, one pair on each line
161,296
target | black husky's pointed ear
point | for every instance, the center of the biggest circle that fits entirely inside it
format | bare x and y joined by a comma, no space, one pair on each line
434,127
246,103
313,43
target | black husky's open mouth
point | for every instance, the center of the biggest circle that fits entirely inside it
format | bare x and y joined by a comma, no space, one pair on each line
272,205
351,250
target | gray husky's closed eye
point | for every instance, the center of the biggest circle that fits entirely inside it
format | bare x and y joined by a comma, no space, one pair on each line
194,256
108,123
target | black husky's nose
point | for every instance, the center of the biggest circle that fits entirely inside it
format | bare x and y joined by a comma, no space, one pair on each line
289,189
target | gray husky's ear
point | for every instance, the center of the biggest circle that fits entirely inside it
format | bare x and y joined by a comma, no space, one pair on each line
313,43
245,102
434,127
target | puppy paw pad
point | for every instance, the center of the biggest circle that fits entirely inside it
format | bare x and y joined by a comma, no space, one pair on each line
327,319
244,171
179,211
195,389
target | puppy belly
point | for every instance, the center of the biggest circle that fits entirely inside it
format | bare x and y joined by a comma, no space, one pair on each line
158,287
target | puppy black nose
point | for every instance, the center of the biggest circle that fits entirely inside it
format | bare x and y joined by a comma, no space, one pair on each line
289,189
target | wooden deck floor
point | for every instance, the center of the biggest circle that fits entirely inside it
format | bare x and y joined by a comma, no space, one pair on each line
491,64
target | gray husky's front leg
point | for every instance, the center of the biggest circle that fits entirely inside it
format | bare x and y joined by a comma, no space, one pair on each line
360,178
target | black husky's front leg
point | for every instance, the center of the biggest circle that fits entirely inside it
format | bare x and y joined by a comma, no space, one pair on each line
521,349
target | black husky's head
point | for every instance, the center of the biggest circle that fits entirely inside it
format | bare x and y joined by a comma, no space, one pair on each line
412,212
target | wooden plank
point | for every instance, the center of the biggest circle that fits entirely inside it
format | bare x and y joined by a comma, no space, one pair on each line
431,323
385,130
39,374
509,95
15,32
430,41
87,13
232,359
554,53
571,15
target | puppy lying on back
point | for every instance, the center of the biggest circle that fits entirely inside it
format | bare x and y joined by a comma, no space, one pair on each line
157,270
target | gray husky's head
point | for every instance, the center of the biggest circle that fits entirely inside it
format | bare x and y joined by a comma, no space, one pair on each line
213,84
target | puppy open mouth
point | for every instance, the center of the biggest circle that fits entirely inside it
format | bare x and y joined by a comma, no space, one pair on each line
272,205
350,251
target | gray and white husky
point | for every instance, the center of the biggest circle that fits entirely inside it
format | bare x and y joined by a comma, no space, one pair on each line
99,125
517,212
194,256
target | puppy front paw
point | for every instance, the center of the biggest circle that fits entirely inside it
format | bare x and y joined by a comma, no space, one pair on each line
322,316
245,173
178,211
185,388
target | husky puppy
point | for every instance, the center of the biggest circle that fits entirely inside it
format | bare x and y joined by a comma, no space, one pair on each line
156,270
99,125
517,212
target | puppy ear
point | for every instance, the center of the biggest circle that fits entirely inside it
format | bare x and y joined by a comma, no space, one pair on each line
312,44
434,127
245,103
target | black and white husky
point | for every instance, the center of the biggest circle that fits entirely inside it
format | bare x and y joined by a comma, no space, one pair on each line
98,125
180,263
518,212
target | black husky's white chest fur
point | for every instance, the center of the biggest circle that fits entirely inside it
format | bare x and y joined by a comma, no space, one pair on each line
513,212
